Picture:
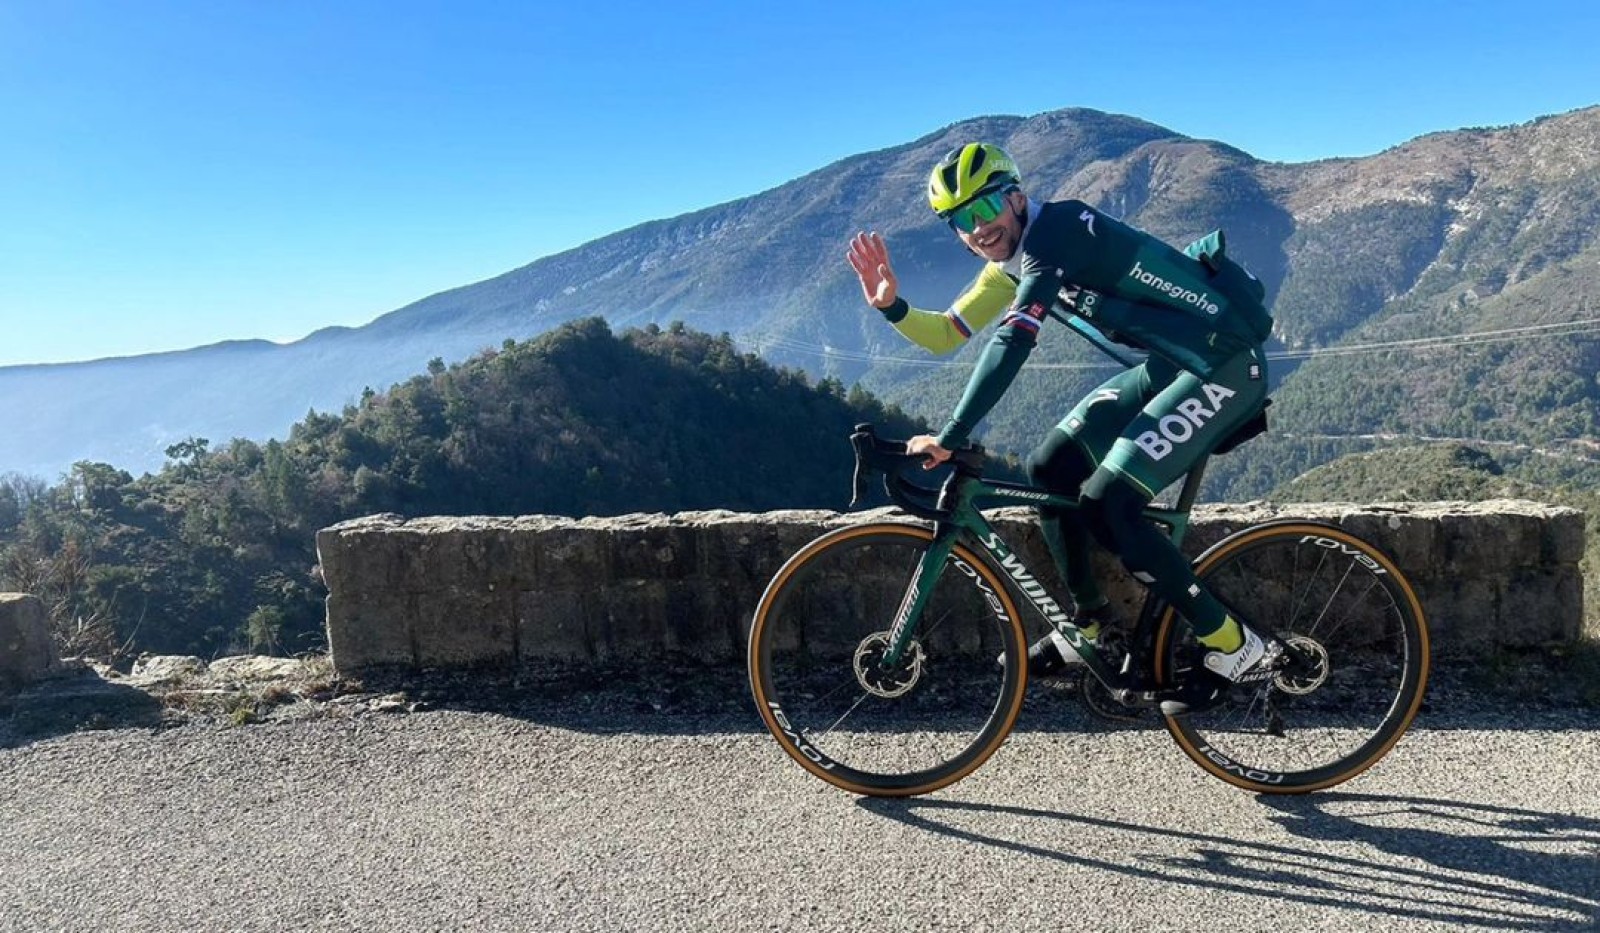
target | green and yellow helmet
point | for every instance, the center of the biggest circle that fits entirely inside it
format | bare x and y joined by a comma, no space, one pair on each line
967,172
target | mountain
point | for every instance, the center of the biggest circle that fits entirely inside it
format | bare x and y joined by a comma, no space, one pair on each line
1469,231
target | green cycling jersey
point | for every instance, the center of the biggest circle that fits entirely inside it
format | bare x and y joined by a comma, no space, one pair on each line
1195,308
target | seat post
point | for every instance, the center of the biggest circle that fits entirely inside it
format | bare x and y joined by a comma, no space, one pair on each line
1191,486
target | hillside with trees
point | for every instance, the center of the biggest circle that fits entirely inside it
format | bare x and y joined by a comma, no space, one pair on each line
215,553
1464,472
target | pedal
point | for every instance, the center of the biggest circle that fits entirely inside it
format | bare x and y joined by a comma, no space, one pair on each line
1141,699
1106,704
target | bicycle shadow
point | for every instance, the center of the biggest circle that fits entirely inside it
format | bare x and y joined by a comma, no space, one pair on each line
1495,876
1552,852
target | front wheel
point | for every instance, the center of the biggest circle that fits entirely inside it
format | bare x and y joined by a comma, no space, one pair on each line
818,672
1355,669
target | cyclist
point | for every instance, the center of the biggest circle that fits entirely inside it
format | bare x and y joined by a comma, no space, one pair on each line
1202,320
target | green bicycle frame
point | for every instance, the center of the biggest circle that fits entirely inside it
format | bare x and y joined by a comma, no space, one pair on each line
966,497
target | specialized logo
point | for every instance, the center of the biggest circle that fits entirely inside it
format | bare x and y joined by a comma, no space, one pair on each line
1025,582
1201,300
903,617
1191,416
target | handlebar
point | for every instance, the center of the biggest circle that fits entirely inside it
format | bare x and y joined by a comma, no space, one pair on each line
889,457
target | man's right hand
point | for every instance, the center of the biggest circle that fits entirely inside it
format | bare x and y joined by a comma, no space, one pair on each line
869,256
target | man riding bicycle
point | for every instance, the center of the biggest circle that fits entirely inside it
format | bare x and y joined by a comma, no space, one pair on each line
1202,320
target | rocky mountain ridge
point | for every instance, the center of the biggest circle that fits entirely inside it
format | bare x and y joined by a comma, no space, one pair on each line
1424,236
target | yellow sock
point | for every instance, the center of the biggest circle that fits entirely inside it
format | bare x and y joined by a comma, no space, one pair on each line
1090,631
1228,637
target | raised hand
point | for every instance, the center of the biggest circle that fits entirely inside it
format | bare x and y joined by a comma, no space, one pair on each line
869,256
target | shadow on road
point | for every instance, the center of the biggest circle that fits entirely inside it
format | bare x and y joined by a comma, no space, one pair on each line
1421,859
73,704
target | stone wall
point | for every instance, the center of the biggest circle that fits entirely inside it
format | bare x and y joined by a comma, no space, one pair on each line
442,592
26,652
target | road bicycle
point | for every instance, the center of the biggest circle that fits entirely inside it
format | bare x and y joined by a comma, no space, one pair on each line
889,658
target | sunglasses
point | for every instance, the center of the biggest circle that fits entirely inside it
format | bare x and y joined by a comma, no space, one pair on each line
976,212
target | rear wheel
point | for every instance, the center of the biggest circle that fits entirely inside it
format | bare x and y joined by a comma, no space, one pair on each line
1354,675
815,660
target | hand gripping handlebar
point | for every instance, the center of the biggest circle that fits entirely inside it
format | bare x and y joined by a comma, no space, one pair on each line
889,457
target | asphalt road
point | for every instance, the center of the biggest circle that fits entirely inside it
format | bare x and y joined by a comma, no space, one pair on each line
626,817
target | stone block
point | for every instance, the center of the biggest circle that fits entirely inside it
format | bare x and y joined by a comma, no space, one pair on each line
26,651
630,621
463,625
573,554
553,625
370,632
654,552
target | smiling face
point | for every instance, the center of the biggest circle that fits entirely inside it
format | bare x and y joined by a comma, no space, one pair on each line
996,240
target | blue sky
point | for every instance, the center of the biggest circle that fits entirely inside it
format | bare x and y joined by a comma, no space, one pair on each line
177,173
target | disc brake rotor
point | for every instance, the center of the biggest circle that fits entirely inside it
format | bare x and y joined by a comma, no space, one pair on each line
1304,677
887,683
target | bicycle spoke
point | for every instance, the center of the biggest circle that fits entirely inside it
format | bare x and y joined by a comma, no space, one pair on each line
846,714
817,663
1352,679
1349,613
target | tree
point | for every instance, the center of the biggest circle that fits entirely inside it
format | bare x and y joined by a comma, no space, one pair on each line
97,485
187,453
263,630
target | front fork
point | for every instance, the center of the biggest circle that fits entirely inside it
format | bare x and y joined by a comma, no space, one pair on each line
923,580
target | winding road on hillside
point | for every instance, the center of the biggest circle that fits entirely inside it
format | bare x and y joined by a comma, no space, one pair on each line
634,814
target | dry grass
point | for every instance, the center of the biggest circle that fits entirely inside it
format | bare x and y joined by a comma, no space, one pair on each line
302,693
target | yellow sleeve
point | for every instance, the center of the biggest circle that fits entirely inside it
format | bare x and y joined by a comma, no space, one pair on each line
943,332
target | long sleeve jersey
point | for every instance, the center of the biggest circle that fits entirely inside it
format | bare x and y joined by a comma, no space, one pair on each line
1195,307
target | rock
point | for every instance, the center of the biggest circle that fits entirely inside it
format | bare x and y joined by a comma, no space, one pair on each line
153,669
26,652
255,668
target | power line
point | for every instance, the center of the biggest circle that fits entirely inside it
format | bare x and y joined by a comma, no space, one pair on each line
1549,449
1442,342
1448,341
